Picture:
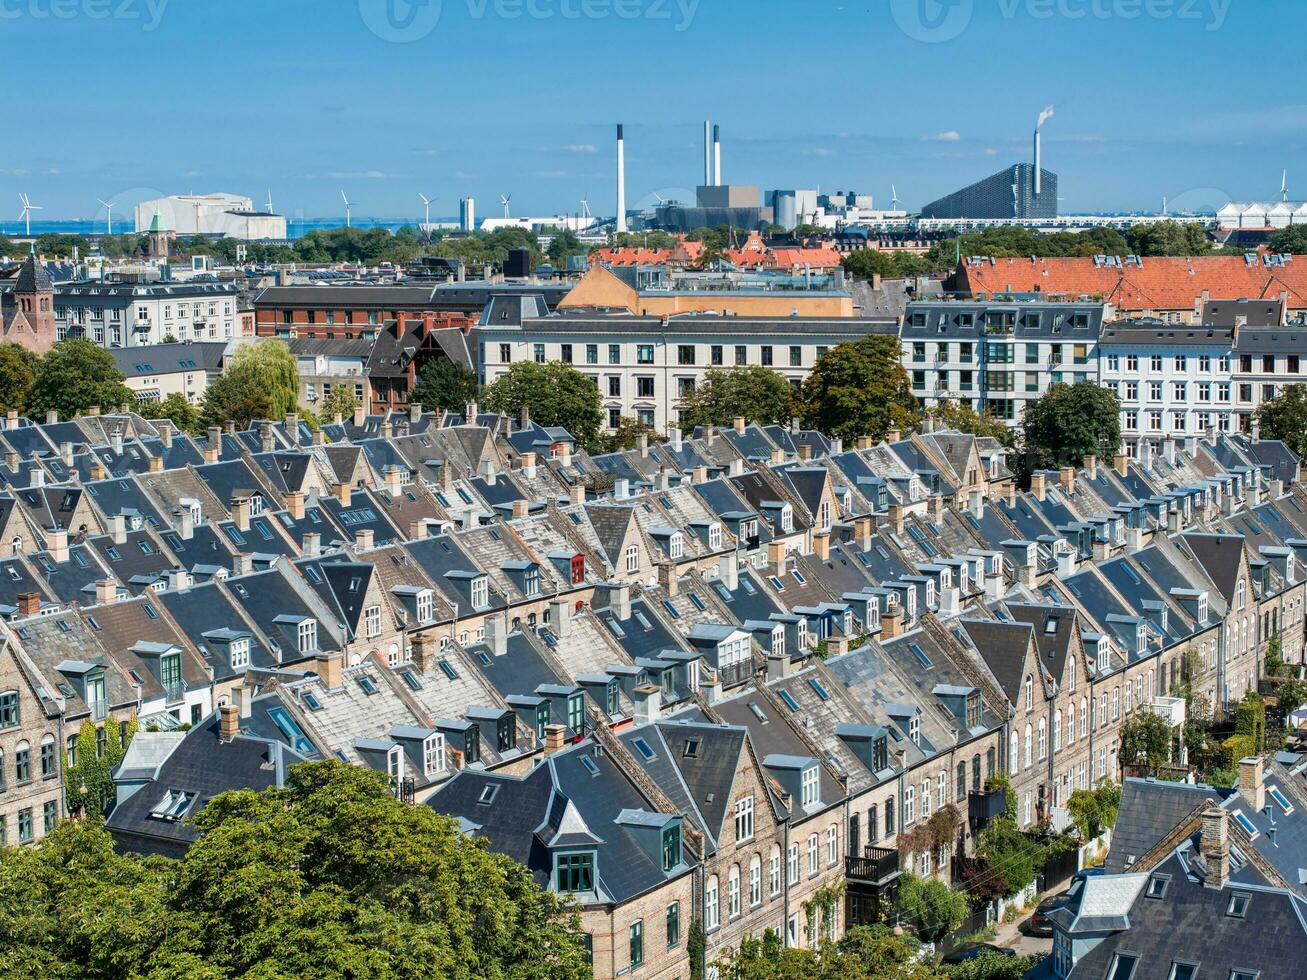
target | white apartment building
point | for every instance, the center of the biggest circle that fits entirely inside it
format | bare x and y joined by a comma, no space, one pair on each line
138,314
645,365
998,356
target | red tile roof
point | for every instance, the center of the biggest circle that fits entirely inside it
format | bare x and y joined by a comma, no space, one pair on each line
630,256
1159,283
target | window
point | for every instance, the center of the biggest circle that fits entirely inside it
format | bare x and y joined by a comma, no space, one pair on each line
240,653
711,908
1238,907
671,846
644,354
814,855
673,924
685,354
744,818
810,789
538,353
741,354
9,714
766,353
792,865
23,763
372,621
637,942
307,636
433,754
1157,886
632,559
575,872
25,826
909,805
480,592
733,892
832,845
49,816
47,756
1123,966
774,870
796,357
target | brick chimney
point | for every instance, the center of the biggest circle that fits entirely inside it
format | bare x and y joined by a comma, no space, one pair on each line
57,544
295,504
1214,846
554,738
240,512
363,540
29,604
821,546
739,424
521,508
343,493
394,480
229,722
668,579
331,668
1252,782
156,464
106,591
425,652
1090,464
1067,477
1121,463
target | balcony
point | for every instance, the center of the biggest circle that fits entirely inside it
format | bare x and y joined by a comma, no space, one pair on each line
733,674
174,691
876,866
984,805
1170,709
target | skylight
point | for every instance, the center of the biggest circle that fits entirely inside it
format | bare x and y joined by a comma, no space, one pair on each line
789,700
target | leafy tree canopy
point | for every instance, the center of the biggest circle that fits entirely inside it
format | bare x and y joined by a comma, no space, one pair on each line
1285,417
1068,423
757,393
175,407
340,401
949,414
75,375
1291,240
271,890
930,906
269,365
865,953
556,394
444,384
239,399
859,389
624,437
17,373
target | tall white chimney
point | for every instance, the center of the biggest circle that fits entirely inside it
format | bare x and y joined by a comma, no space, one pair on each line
1037,180
716,156
1043,118
707,152
621,181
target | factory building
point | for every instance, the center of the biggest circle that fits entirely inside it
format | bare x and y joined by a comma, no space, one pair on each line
228,215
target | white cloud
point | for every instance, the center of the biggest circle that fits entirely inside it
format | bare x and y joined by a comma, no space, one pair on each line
580,148
549,174
357,175
948,136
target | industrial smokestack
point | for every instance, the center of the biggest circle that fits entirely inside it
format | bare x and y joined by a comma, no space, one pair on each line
707,152
1043,118
716,156
621,181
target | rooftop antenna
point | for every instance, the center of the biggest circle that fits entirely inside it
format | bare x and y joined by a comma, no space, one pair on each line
348,205
426,204
504,201
108,206
26,214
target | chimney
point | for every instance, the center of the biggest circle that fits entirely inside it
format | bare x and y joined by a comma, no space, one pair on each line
619,600
560,616
98,472
229,722
805,452
893,435
57,545
667,578
497,634
699,475
1037,486
555,738
777,457
331,668
118,528
621,488
12,459
950,601
51,417
214,446
520,509
295,504
648,700
93,411
576,495
66,454
156,464
663,481
707,152
739,424
342,492
1214,846
240,513
621,180
1090,464
736,468
415,412
862,529
11,418
642,445
363,540
836,445
29,604
267,437
674,438
394,480
185,523
241,564
1252,785
360,416
717,156
164,428
312,544
425,652
776,557
386,428
891,623
1067,477
106,591
896,518
1121,463
730,572
470,413
778,665
528,462
38,479
976,504
821,546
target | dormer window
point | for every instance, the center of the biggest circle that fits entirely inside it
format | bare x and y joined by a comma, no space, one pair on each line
787,518
575,872
426,603
240,653
778,641
307,636
532,582
671,846
433,754
1202,603
576,713
578,569
612,700
480,592
1104,656
809,788
676,546
395,764
914,729
930,592
714,536
1141,638
505,735
823,515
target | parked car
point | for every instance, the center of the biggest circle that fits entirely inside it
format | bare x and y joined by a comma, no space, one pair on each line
973,950
1038,925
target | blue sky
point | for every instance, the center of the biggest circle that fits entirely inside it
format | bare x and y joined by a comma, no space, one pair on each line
1192,99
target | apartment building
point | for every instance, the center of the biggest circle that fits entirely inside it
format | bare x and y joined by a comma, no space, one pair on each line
140,314
998,356
645,366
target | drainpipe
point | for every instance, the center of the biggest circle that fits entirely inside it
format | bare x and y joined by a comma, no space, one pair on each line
785,911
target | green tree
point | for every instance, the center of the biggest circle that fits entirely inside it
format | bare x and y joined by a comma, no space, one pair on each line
930,906
564,245
1168,238
865,953
75,375
1094,810
88,785
169,338
1284,417
1145,741
758,394
859,389
1290,241
175,407
556,394
867,262
994,966
269,890
269,365
1068,423
628,431
1250,721
17,373
949,414
1275,654
1008,859
445,384
239,399
340,401
7,247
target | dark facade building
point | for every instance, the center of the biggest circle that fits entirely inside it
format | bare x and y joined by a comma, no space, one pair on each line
1010,193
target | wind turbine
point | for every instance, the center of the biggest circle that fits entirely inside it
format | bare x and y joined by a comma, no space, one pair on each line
504,201
26,214
893,198
426,204
1284,185
270,211
585,208
108,206
348,205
